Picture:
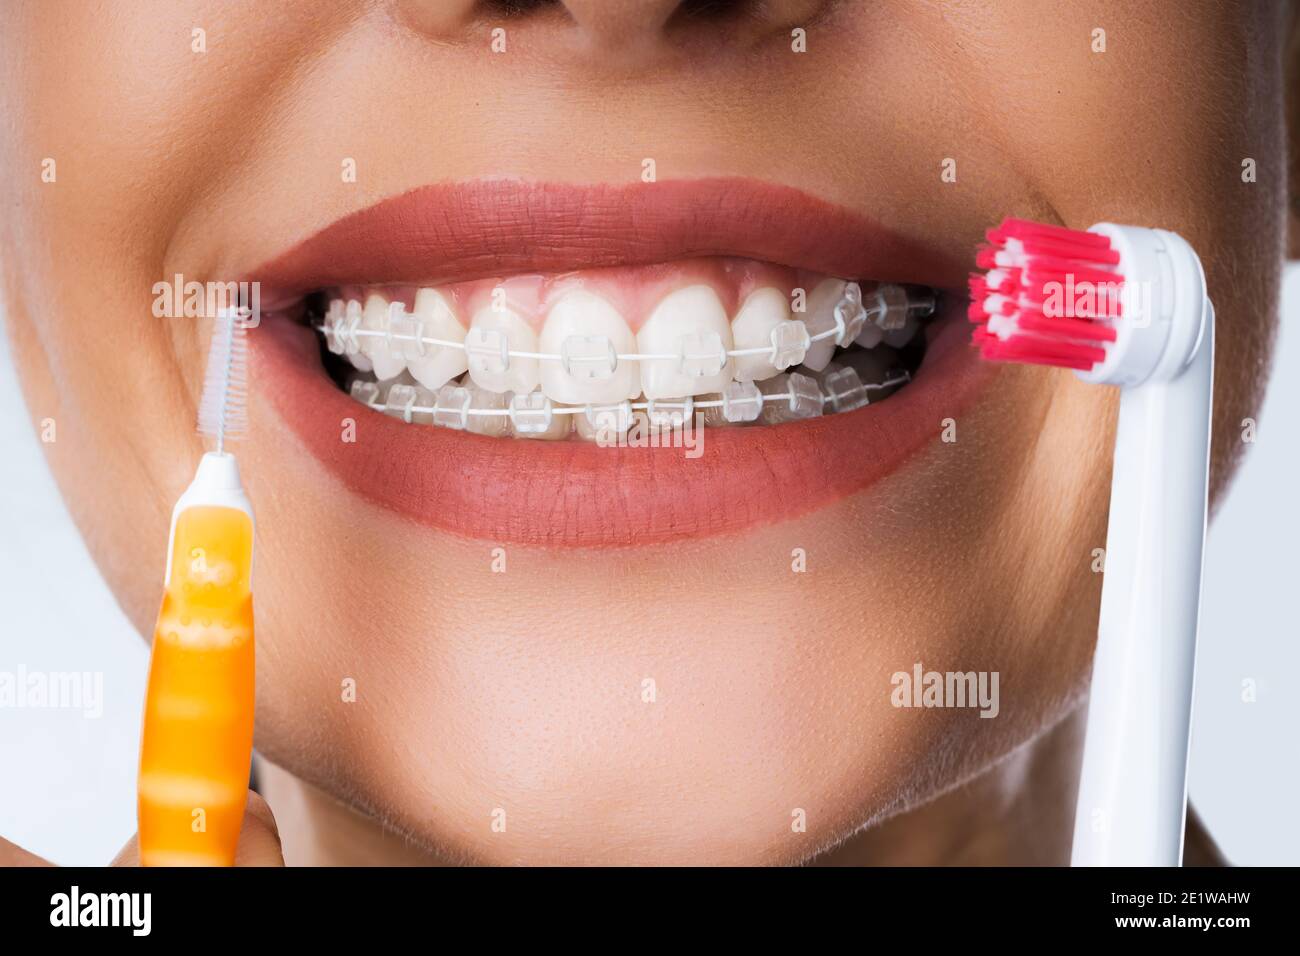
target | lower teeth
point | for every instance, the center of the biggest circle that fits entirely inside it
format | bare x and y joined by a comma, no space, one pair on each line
791,396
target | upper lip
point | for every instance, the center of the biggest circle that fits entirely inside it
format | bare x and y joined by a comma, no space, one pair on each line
489,228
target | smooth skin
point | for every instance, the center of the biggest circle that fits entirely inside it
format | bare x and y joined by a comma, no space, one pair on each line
522,693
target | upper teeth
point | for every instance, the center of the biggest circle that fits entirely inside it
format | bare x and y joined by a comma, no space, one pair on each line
589,336
821,318
690,329
586,354
493,332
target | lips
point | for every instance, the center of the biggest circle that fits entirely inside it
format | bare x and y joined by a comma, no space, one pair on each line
575,494
486,228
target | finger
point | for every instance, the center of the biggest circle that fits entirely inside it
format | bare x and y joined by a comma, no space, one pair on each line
11,854
259,839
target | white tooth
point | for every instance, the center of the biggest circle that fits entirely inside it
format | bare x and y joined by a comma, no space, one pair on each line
752,327
870,336
495,426
535,416
841,387
606,432
366,392
451,407
670,413
435,319
851,313
610,422
583,428
489,327
558,431
690,323
560,428
592,328
402,400
821,318
891,306
386,356
899,337
790,397
713,415
335,327
352,313
742,402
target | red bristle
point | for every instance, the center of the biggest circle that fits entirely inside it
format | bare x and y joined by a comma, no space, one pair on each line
1073,328
1041,352
1027,229
1096,307
1049,268
1041,240
1010,281
1083,271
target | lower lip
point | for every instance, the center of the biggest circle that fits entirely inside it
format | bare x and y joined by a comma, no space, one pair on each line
580,494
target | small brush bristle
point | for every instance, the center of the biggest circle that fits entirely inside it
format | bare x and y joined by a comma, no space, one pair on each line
1048,295
223,409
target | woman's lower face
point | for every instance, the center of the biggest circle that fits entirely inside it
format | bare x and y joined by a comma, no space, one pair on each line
552,651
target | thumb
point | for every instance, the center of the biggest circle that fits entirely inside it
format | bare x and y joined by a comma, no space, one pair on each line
259,839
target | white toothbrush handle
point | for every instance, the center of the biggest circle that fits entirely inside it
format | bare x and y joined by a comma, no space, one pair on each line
1133,788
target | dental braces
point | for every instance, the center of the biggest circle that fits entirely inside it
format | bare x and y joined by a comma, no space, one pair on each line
533,412
594,358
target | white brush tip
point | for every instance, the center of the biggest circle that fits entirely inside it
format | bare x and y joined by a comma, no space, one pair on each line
223,407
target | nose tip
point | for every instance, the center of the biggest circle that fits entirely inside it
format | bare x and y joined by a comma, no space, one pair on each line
622,25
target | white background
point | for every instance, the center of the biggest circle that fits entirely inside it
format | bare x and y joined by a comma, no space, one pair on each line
68,789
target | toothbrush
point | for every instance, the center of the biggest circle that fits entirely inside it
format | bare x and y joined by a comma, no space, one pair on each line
1126,306
197,740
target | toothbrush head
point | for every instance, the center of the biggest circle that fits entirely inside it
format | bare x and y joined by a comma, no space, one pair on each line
1120,305
223,409
1027,303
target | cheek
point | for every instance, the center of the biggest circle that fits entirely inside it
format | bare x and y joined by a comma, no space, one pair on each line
692,699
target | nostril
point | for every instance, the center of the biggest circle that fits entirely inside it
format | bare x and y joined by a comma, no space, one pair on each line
710,9
629,33
743,22
516,8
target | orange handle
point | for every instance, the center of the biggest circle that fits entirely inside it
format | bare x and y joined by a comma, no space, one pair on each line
198,716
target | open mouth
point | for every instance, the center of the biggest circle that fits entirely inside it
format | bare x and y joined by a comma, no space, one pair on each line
818,351
613,355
